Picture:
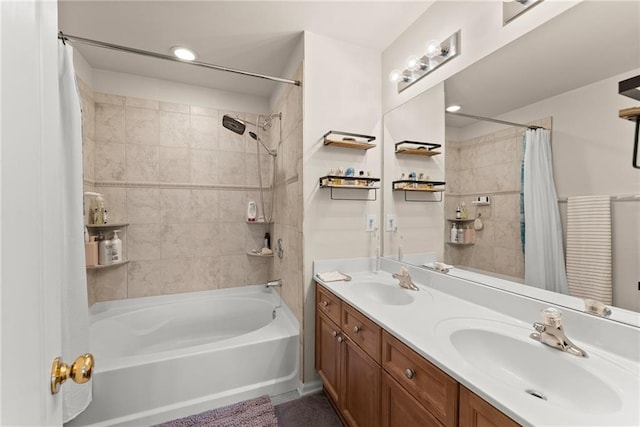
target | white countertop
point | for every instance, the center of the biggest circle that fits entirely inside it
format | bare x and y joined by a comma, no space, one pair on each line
425,325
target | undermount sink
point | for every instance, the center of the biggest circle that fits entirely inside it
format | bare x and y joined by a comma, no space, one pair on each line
505,353
383,294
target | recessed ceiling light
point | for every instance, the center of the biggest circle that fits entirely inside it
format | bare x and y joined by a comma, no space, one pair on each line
183,53
453,108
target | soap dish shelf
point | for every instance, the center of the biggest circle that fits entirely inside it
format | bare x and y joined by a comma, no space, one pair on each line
258,255
103,266
329,181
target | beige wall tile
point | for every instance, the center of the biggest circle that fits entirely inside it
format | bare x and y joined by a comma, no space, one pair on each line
109,123
174,129
507,150
91,287
232,269
105,98
204,206
204,111
204,132
88,156
231,141
258,270
115,202
175,206
485,179
204,240
231,168
233,239
177,276
204,273
252,176
175,108
175,165
507,235
142,126
505,261
143,205
232,206
176,241
144,278
109,162
111,283
142,163
204,166
142,103
143,241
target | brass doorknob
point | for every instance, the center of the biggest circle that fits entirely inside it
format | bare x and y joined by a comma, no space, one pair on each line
80,371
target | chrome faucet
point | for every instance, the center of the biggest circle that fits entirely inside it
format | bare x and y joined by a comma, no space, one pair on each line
550,332
404,280
277,283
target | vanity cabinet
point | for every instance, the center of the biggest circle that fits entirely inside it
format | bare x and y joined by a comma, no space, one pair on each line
476,412
375,380
347,359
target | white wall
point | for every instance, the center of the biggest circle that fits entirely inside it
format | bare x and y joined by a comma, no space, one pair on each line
482,33
289,70
341,91
419,223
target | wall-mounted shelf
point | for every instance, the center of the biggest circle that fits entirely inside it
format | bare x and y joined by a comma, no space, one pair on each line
259,255
349,140
460,244
350,183
461,220
258,222
100,267
106,226
417,148
417,186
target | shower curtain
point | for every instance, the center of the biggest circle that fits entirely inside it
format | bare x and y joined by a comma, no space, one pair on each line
543,253
75,312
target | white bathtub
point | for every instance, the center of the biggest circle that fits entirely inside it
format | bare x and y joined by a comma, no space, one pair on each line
160,358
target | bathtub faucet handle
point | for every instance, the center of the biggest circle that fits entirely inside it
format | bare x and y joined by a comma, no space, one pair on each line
277,283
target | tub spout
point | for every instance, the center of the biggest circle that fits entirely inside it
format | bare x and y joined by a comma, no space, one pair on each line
277,283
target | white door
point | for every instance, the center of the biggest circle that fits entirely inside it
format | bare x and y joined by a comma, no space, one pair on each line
30,264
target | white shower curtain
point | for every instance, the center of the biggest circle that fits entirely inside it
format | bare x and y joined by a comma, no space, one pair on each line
543,253
75,312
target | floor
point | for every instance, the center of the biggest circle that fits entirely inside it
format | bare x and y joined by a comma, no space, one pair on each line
313,410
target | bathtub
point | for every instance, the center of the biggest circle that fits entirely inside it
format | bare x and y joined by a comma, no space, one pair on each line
160,358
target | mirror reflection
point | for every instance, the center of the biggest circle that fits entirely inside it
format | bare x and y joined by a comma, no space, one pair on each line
562,76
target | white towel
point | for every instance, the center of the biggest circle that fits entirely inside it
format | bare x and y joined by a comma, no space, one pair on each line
589,247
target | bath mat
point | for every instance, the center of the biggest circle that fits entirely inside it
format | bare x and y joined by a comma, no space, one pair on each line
313,410
256,412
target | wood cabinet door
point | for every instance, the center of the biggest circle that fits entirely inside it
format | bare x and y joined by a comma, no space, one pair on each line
360,387
400,409
328,355
476,412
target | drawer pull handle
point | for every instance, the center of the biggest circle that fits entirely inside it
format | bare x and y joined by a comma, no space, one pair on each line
340,339
410,373
356,329
334,333
325,303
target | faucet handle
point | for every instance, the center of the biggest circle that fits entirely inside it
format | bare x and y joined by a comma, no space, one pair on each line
551,316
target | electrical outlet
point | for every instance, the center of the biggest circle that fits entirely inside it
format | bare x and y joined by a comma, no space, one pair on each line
370,222
391,222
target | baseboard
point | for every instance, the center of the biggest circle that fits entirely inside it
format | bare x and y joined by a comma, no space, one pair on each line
309,387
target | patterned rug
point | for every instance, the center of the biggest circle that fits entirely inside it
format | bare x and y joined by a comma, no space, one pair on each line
256,412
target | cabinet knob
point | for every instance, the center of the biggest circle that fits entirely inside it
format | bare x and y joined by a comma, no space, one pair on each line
325,303
410,373
356,329
334,333
340,339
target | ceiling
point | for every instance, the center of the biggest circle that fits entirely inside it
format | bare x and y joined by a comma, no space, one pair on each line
591,41
256,36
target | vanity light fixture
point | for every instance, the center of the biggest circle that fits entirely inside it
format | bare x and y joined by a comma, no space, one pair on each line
183,53
436,54
513,8
453,108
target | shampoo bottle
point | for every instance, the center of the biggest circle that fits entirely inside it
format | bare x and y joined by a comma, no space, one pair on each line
252,211
104,252
454,234
116,249
91,252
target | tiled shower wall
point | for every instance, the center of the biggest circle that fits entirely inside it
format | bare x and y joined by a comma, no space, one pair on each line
182,182
488,165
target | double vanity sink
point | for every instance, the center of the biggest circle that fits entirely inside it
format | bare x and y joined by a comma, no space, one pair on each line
493,354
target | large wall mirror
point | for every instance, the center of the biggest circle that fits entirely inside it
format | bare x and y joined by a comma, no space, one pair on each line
563,76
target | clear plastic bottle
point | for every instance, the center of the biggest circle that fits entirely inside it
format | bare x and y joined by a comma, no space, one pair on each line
116,247
454,234
463,210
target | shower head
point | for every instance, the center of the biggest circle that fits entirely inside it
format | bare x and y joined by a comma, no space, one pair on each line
253,135
235,125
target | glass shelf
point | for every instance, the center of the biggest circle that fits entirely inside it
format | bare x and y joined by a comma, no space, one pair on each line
349,140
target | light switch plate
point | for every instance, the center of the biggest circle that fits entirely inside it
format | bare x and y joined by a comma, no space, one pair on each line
370,222
391,222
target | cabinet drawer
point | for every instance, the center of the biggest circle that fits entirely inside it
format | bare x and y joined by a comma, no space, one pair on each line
328,303
362,331
431,387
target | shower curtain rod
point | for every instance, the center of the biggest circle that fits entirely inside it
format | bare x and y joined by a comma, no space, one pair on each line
487,119
68,37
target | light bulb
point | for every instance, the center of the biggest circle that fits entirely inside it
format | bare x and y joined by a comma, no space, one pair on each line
453,108
396,76
183,53
413,62
433,49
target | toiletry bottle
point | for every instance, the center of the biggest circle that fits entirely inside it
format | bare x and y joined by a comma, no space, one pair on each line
104,252
91,252
454,233
468,235
99,211
116,250
463,210
458,212
267,240
252,211
460,238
